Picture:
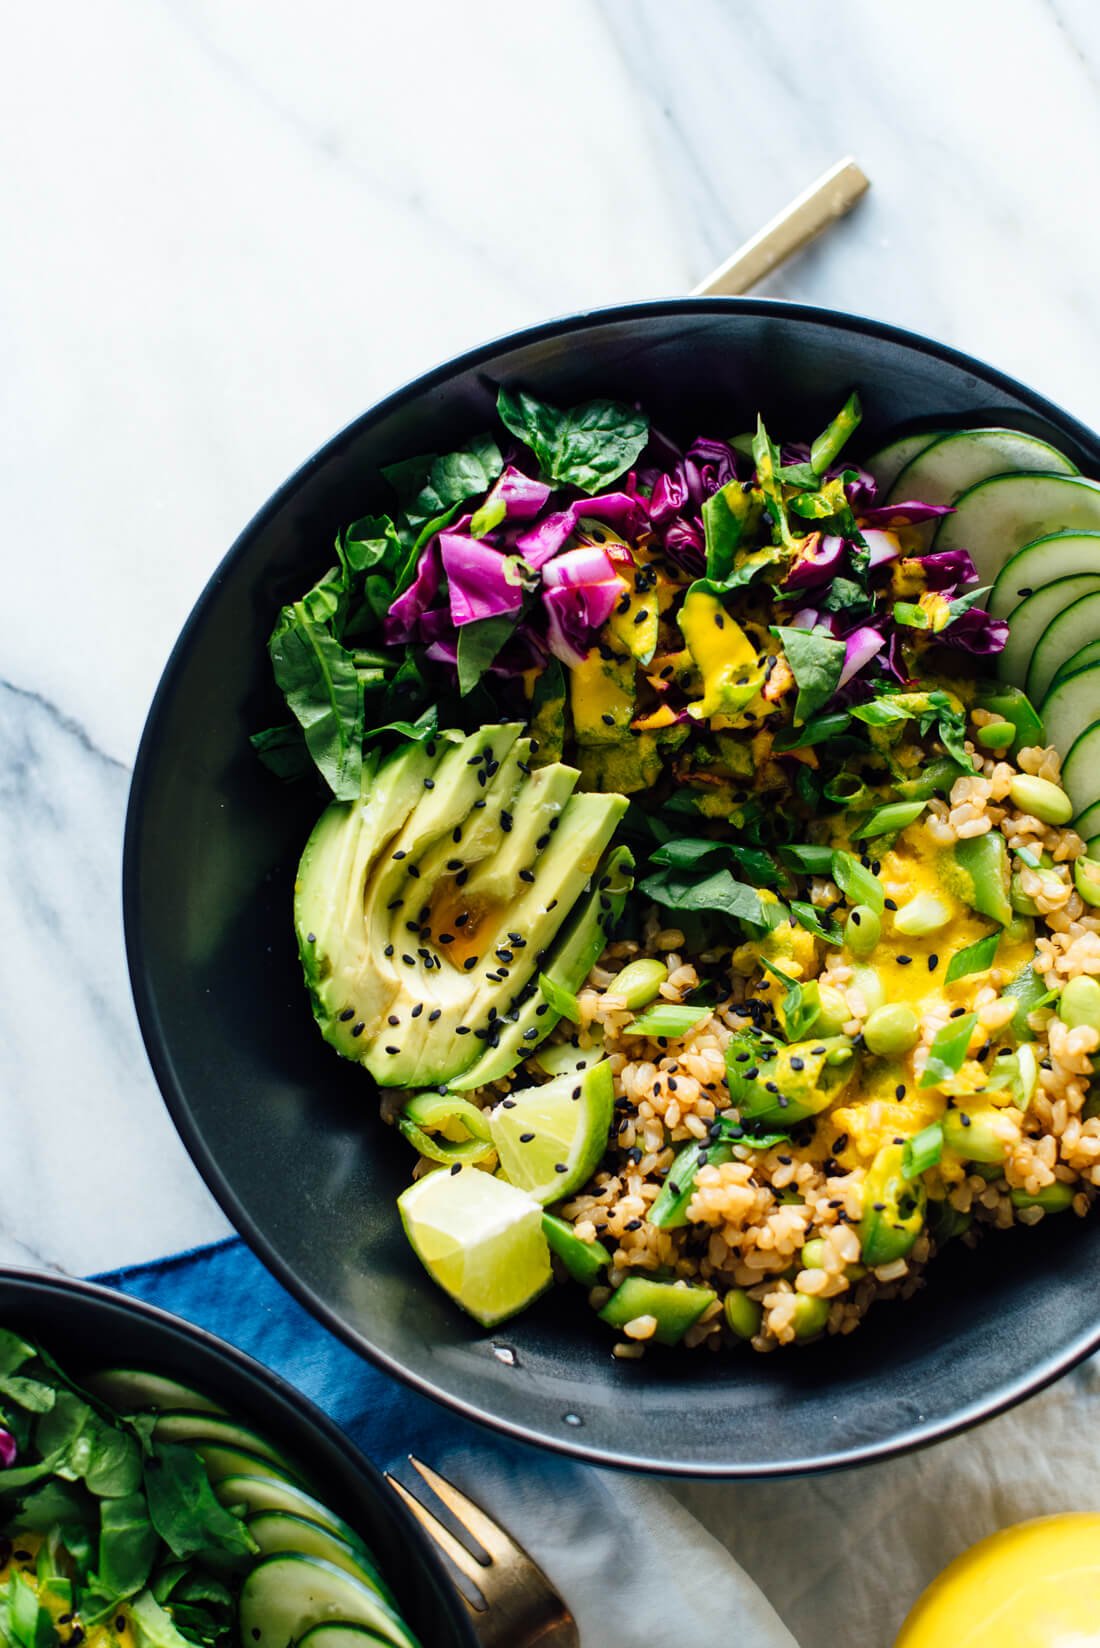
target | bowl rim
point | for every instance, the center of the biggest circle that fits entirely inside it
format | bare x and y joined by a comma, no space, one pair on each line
251,1370
917,1434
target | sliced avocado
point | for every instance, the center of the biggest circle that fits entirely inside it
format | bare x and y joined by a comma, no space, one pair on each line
977,871
343,978
470,958
602,696
528,1021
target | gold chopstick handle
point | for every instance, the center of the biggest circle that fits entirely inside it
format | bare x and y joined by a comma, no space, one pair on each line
834,194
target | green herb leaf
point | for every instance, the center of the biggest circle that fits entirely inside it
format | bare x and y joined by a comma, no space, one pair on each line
720,891
184,1510
976,958
815,922
318,678
667,1018
948,1051
586,446
739,1133
725,514
816,662
369,542
478,644
766,458
922,1151
842,595
856,882
684,854
809,858
14,1351
818,730
283,751
425,727
127,1545
801,1006
561,1001
153,1627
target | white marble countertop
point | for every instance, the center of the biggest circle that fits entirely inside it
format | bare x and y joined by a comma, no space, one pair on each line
233,224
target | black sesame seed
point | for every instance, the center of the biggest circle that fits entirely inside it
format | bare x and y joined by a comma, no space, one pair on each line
470,963
608,720
527,875
348,1013
889,903
393,1019
543,841
400,853
456,1167
393,1050
505,821
933,962
429,783
462,1029
530,1035
409,961
899,1091
633,1224
456,833
525,1138
460,921
436,1013
311,938
417,1010
462,878
388,951
560,1167
903,961
445,938
454,864
797,1063
357,1029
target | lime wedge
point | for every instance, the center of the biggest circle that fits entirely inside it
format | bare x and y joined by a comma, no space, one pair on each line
479,1238
551,1138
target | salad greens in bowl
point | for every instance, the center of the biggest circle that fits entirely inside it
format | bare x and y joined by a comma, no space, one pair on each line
678,788
140,1507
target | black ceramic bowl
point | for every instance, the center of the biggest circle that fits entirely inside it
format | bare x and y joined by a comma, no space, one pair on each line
287,1136
87,1327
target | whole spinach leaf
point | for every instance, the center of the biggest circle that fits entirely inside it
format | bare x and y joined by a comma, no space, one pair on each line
183,1508
478,644
721,892
587,446
318,679
816,662
127,1546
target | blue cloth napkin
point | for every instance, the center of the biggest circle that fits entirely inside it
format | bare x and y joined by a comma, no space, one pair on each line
619,1548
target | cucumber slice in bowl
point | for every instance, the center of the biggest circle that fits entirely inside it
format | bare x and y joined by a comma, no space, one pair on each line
955,463
257,1493
276,1531
224,1459
888,462
1072,629
1088,654
1068,711
1057,555
340,1635
998,517
1031,618
133,1390
1087,825
1081,768
191,1427
287,1594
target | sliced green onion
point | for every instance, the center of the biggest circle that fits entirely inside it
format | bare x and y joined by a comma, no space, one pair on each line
425,1114
1029,858
948,1050
922,1151
805,856
821,927
857,884
829,443
976,958
562,1002
886,820
667,1018
908,613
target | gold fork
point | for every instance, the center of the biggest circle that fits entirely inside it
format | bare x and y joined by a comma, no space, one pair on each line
516,1605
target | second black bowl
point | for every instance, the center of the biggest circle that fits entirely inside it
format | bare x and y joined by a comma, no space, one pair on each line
288,1137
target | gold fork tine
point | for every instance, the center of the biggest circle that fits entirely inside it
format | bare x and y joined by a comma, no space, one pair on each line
492,1538
466,1563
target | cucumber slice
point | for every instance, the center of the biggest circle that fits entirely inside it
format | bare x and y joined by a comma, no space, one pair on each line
225,1459
1080,772
184,1426
1072,629
1028,623
1069,710
285,1595
276,1531
255,1493
340,1635
1087,825
1088,654
888,462
998,517
955,463
1057,555
133,1390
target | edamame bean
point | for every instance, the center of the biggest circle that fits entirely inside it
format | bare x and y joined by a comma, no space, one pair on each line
891,1030
862,930
1080,1003
1086,878
813,1254
921,915
834,1013
1042,799
639,982
1053,1198
996,735
810,1315
743,1314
